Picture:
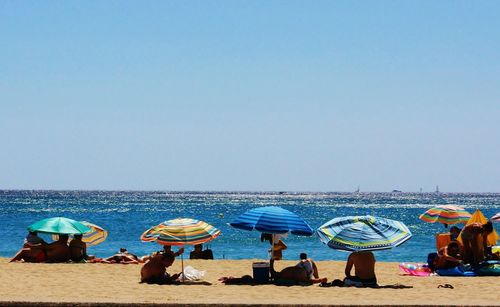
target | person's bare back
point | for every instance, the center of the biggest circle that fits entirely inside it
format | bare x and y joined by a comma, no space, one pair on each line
58,251
155,270
77,249
364,265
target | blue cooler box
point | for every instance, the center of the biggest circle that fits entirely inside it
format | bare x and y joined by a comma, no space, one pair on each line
260,272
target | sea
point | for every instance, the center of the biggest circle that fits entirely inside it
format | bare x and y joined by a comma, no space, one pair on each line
127,214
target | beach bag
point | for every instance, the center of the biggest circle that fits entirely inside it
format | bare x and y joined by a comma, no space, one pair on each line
191,274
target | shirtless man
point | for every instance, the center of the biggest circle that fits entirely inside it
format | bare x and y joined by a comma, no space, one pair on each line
77,249
167,249
58,251
471,234
364,270
155,270
448,256
304,272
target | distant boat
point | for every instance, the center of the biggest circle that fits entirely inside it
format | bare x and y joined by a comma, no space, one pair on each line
397,191
437,190
357,190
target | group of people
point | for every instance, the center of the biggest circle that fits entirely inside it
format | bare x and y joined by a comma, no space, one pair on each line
35,249
472,250
306,272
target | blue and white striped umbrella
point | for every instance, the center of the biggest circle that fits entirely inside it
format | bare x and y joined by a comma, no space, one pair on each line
274,220
363,233
496,217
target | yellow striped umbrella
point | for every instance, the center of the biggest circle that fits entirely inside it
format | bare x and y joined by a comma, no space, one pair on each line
95,236
181,231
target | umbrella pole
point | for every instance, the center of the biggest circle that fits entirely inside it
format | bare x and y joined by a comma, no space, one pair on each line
182,265
272,246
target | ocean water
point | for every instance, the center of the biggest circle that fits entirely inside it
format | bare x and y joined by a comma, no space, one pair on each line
127,214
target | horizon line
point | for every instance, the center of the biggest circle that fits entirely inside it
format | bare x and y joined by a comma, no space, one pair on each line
246,191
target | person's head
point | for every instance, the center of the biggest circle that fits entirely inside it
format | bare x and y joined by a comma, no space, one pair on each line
303,256
123,250
198,247
63,238
488,227
167,259
455,230
33,233
167,248
77,237
266,237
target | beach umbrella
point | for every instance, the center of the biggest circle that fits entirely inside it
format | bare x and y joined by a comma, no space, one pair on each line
272,220
95,236
180,232
446,214
363,233
496,217
59,225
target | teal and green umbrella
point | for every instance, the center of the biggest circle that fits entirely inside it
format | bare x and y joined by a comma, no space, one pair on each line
59,225
363,233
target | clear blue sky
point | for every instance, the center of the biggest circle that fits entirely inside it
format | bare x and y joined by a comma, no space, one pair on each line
250,95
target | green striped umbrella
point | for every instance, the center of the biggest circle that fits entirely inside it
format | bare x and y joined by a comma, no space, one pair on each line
363,233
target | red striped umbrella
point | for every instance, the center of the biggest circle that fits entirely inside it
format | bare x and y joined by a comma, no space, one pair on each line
446,214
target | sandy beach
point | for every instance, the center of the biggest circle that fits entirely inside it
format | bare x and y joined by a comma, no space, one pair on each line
113,283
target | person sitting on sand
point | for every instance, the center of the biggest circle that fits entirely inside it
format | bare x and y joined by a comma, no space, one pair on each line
58,251
33,249
448,256
155,270
364,270
304,272
35,253
167,249
78,249
471,235
197,253
33,239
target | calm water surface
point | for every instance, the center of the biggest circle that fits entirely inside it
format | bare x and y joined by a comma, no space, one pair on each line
127,214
